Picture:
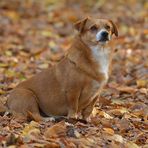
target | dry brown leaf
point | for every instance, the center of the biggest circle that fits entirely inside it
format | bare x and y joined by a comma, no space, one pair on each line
96,120
126,89
140,109
106,122
141,139
123,125
119,111
104,114
56,130
24,146
104,101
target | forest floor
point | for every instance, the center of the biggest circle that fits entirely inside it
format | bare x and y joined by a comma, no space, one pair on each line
36,35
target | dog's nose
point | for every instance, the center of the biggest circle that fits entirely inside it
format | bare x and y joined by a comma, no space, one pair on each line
104,34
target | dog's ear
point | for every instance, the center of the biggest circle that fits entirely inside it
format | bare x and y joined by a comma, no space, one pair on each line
81,25
114,29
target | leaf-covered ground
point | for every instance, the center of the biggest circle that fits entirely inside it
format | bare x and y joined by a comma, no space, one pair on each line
35,35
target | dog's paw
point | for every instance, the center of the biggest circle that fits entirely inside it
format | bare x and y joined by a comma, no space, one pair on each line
88,119
72,115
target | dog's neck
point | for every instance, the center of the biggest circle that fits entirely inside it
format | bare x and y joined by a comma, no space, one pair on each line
94,60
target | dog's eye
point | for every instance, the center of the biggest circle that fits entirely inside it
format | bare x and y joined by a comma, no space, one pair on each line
93,28
107,27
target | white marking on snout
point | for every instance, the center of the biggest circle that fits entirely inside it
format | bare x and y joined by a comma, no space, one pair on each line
98,35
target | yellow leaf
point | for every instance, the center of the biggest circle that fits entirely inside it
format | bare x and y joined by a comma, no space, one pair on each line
105,115
46,33
8,53
132,30
142,83
130,144
3,65
52,44
108,131
10,73
43,65
31,128
13,15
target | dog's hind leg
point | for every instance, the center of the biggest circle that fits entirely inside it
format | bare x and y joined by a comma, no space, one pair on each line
23,101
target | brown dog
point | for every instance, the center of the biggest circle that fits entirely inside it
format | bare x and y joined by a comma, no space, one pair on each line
73,85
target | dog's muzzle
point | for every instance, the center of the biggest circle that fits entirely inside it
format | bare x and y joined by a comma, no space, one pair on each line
102,36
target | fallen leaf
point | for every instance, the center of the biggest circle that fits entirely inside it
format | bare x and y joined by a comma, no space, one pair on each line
43,65
126,89
118,138
142,83
104,101
144,91
141,139
33,127
119,111
130,144
117,101
104,114
56,130
108,131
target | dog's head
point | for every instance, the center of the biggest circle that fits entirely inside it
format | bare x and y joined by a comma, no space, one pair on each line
96,31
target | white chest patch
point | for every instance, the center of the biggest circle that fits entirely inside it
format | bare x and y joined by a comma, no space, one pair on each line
102,57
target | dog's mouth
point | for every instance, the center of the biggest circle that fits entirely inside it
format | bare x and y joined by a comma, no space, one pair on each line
103,41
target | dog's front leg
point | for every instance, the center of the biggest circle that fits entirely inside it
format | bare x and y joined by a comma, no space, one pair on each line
88,110
72,101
